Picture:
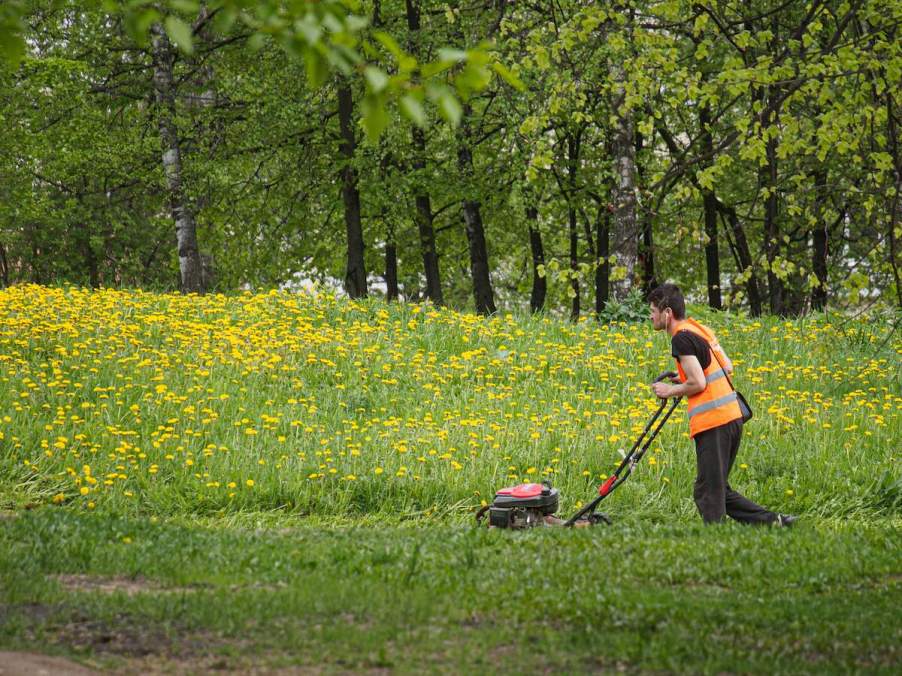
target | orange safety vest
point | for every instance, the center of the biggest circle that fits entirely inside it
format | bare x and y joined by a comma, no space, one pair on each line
715,405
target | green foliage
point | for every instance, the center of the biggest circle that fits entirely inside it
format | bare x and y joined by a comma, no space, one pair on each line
632,309
799,109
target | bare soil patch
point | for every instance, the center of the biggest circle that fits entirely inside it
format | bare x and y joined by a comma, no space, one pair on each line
33,664
141,585
111,585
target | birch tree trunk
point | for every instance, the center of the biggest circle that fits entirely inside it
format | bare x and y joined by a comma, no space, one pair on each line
646,244
573,150
819,240
767,177
894,203
624,231
185,227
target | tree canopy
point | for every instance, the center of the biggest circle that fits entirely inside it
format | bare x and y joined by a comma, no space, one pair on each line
484,154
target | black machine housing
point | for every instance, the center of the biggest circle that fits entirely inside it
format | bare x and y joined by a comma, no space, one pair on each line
523,506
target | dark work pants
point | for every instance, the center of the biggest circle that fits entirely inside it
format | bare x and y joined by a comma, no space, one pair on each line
715,451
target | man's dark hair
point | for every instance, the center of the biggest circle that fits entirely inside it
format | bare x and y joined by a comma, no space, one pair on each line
669,296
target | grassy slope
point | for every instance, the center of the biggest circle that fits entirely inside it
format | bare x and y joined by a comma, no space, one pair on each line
421,414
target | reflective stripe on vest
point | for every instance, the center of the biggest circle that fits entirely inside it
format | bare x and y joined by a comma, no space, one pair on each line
701,408
717,404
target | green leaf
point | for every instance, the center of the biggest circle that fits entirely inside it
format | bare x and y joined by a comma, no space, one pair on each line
12,46
317,67
310,29
376,79
374,116
180,33
389,43
472,79
450,108
224,20
505,74
413,110
452,55
429,70
355,23
138,23
189,6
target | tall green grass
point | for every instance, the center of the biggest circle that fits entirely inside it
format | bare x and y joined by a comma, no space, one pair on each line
316,406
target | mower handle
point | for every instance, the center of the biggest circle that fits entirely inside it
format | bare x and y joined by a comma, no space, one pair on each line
667,374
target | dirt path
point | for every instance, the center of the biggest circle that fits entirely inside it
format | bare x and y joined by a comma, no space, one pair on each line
32,664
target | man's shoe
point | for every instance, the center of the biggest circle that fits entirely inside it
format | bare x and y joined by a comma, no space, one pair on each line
785,520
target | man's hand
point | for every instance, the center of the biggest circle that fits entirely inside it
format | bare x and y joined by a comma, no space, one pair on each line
662,390
695,381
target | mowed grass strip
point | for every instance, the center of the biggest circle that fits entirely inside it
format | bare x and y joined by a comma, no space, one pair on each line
820,598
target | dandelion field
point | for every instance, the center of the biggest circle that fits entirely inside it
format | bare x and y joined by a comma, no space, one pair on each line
256,450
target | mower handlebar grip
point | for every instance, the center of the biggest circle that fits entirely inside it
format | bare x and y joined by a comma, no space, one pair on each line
669,375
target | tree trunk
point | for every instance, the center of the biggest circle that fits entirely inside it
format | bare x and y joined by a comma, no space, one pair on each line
624,230
355,273
768,180
391,250
479,257
4,266
539,282
423,203
424,226
31,228
182,214
602,264
391,270
573,148
90,258
709,201
819,243
574,265
646,253
744,255
895,202
479,260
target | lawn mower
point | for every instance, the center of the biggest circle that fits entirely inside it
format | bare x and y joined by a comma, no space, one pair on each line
534,504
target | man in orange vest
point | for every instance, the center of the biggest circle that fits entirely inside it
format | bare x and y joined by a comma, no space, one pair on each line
715,418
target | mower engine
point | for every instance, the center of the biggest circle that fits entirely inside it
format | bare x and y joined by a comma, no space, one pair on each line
522,506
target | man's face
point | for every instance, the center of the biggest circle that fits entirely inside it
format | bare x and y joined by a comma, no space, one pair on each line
659,317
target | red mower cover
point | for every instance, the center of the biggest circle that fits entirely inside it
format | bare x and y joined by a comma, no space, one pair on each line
523,491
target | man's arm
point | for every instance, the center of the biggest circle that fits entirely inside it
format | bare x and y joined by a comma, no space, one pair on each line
727,363
695,380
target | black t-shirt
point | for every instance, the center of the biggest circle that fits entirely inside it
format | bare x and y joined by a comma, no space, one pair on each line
686,343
